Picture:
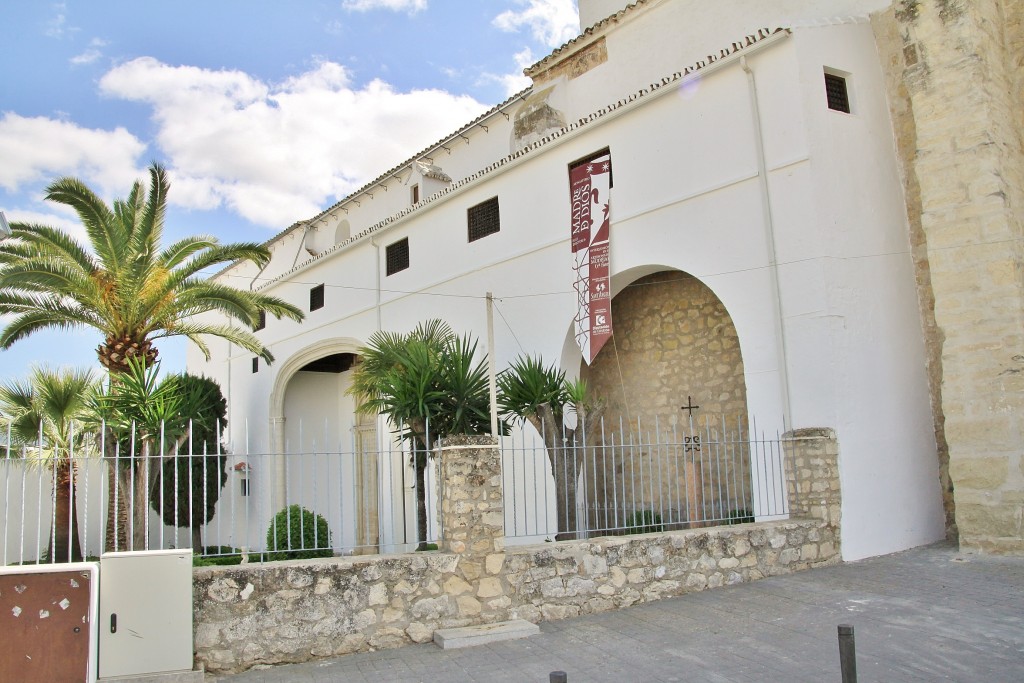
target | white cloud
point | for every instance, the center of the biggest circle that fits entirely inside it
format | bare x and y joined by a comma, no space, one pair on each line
58,27
515,81
91,54
39,148
277,153
552,22
412,6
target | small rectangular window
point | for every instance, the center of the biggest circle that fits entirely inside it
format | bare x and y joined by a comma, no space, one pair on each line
484,219
262,322
415,193
316,297
837,93
256,364
398,256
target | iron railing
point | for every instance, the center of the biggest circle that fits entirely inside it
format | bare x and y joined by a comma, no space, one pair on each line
641,478
371,496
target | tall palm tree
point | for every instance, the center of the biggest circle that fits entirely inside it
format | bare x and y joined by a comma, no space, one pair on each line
124,284
48,410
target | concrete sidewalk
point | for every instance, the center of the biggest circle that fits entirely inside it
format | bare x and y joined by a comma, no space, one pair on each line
929,614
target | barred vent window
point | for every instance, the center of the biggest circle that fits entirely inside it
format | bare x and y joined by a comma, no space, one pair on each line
398,256
838,96
316,297
256,364
262,322
415,193
484,219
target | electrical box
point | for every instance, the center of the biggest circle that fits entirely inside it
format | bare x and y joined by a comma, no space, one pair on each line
145,620
47,619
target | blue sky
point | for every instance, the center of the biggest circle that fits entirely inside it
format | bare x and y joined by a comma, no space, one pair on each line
264,112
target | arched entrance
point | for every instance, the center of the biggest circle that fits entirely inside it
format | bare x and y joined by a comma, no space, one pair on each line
672,382
329,450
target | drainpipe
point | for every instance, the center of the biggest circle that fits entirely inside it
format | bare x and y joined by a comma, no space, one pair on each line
376,247
769,225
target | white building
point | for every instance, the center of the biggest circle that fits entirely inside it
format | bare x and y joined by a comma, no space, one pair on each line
733,173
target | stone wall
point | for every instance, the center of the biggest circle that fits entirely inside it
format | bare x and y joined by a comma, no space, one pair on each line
299,610
674,345
955,75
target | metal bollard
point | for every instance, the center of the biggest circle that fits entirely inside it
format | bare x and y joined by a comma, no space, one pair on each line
847,654
558,677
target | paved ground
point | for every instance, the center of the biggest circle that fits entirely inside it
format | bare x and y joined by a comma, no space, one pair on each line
929,614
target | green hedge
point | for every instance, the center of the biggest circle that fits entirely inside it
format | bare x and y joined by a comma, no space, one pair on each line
296,533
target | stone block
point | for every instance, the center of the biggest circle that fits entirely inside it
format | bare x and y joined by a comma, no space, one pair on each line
494,563
987,473
419,633
468,605
980,521
489,587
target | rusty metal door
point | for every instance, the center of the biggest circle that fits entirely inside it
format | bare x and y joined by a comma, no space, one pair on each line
45,622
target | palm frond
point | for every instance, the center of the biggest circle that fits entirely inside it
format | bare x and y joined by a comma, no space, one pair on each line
236,335
105,233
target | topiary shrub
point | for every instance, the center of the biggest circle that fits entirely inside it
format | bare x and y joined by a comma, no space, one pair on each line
296,533
644,522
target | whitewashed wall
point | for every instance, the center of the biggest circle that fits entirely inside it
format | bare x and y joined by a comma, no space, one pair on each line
687,196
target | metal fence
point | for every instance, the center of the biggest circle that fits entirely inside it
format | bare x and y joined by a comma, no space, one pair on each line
641,478
376,495
108,494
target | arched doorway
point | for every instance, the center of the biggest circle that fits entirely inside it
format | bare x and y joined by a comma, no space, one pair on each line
675,415
329,449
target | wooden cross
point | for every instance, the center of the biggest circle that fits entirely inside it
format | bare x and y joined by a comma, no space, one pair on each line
689,407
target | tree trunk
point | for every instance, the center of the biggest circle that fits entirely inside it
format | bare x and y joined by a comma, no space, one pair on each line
116,537
140,498
197,539
566,459
64,542
565,467
420,459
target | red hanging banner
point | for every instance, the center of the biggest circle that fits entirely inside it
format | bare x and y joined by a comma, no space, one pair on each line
590,184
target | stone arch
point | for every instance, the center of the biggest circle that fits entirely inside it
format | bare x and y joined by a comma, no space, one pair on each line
674,345
314,420
674,340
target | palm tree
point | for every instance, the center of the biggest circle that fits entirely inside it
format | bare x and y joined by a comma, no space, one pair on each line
124,285
48,409
532,392
429,385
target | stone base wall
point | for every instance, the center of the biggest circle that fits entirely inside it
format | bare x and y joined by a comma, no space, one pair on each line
300,610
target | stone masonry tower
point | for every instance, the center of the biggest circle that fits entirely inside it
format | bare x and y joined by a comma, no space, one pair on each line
956,88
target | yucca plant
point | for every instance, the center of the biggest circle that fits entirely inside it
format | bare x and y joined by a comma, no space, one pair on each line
48,410
149,419
532,392
428,383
